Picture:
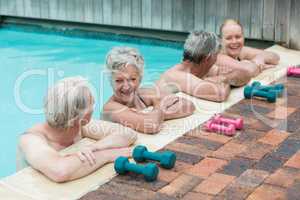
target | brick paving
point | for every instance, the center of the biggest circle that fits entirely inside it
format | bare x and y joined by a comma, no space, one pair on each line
260,162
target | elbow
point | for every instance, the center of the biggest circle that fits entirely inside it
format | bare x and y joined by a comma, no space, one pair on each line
189,107
276,59
59,174
253,72
129,135
222,94
151,128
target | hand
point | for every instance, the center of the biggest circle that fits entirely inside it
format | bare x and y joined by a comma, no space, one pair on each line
113,154
266,66
168,101
86,154
238,78
259,62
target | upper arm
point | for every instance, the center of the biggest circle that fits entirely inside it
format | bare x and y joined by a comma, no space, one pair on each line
249,53
225,61
213,71
42,158
197,87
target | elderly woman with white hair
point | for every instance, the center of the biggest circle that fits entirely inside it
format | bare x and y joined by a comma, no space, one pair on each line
68,109
129,102
197,75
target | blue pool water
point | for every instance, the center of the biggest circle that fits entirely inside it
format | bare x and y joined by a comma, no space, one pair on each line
31,60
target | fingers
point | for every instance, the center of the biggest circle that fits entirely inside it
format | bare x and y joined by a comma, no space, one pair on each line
269,66
87,156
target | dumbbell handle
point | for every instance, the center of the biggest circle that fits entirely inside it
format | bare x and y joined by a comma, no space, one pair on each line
134,168
152,156
227,130
221,128
238,123
271,87
293,71
260,93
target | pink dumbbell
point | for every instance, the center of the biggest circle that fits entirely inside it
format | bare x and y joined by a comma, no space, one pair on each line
238,123
293,71
219,128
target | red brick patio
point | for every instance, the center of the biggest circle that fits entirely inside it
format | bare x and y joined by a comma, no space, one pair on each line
262,162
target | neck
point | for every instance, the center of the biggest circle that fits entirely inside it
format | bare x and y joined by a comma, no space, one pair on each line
232,56
130,103
61,136
198,70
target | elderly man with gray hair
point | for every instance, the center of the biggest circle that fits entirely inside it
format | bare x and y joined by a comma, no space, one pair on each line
68,108
197,75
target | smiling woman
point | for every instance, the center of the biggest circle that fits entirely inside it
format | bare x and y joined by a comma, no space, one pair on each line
128,102
237,56
37,57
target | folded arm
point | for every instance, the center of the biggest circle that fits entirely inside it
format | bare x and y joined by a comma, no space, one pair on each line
61,168
108,134
260,56
149,122
192,85
175,107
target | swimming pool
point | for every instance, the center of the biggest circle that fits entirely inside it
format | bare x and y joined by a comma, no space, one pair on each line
32,60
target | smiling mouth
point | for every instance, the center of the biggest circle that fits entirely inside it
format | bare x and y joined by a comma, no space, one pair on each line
235,48
126,93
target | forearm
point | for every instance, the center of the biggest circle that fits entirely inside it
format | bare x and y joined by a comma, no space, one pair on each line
217,92
180,109
238,78
270,58
70,167
79,169
120,138
251,68
149,122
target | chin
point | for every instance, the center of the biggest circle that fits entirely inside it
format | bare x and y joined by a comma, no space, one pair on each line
235,53
127,99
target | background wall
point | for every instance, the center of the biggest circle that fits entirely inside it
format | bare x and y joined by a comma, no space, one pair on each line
273,20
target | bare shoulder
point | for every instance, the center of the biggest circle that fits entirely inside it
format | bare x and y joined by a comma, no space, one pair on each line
176,68
146,92
225,60
248,53
223,57
32,139
37,131
111,105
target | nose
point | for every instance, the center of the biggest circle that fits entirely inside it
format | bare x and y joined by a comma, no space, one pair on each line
126,85
233,40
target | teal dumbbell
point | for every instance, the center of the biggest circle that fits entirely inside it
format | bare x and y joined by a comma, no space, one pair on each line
250,92
166,159
150,170
278,88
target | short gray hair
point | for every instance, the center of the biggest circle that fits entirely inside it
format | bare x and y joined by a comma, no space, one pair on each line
67,101
119,57
199,45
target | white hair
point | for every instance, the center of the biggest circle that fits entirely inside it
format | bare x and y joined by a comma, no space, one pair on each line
199,45
67,101
119,57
